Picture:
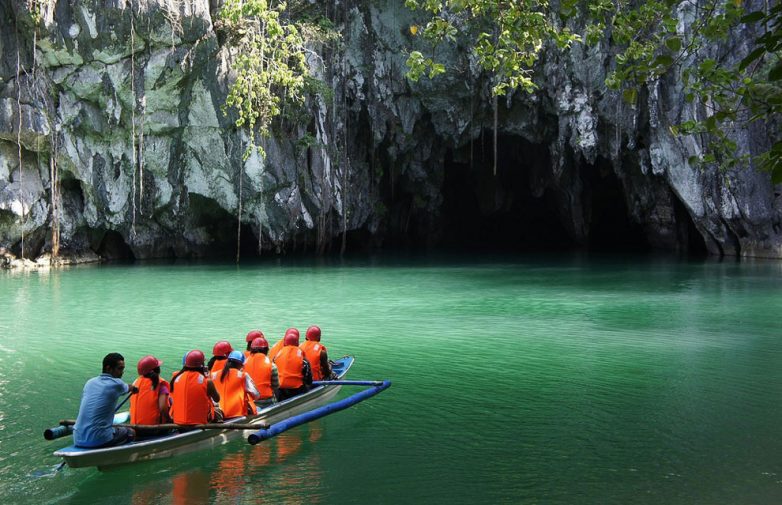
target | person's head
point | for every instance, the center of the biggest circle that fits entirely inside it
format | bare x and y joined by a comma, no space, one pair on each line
114,364
259,344
236,357
235,360
252,336
292,330
194,360
148,365
313,333
221,349
291,339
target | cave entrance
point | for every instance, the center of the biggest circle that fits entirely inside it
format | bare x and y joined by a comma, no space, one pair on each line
507,211
605,209
219,225
113,247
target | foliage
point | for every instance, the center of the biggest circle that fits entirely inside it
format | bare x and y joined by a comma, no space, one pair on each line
649,39
508,37
724,98
270,64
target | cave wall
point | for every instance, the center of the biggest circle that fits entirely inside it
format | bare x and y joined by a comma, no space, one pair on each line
379,166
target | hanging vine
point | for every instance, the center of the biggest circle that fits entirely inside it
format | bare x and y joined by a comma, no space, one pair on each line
19,139
270,69
269,64
133,118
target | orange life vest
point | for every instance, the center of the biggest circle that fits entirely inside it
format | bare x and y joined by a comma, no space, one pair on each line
234,399
191,403
312,350
289,365
259,366
276,348
144,408
218,365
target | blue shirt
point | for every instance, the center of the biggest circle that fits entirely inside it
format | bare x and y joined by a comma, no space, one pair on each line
96,413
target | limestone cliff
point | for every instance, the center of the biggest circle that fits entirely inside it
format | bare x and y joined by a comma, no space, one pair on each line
119,102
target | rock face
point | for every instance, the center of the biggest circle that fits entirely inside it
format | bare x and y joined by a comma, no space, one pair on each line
119,102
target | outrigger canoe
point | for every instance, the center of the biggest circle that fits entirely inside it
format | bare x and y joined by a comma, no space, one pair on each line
270,420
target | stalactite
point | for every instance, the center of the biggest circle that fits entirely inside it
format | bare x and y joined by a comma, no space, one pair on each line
141,155
472,120
495,134
19,138
239,213
133,118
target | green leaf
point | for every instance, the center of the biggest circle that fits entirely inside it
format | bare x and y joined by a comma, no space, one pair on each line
707,65
663,60
753,17
775,73
674,44
630,95
754,55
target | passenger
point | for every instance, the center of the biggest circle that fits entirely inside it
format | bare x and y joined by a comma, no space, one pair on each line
262,370
193,393
174,374
276,348
250,337
220,353
316,354
150,405
236,388
295,374
93,426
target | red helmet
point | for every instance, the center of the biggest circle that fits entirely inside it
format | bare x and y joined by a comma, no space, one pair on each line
253,335
147,364
222,348
313,333
291,339
292,330
259,343
194,359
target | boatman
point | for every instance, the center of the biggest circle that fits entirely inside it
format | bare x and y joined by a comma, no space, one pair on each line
93,426
193,395
263,371
295,374
316,354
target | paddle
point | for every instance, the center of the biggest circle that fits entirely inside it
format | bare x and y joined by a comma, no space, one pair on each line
67,429
347,383
174,426
123,401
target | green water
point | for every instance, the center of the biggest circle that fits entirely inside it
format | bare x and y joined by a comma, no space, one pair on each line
528,381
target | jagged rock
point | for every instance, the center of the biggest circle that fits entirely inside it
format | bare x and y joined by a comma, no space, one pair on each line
150,166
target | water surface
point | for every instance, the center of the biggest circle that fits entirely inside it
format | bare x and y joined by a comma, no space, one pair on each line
522,380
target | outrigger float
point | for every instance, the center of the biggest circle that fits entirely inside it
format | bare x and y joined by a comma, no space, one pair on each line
269,422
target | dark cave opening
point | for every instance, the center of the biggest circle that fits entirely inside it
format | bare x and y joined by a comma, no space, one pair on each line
610,226
113,247
521,209
220,225
502,212
688,236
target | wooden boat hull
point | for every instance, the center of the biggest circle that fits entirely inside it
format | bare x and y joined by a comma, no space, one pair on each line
182,443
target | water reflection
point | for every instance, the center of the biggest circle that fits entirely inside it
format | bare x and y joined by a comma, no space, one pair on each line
286,469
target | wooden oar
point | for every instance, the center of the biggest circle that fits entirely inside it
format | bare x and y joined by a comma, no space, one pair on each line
173,426
123,402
